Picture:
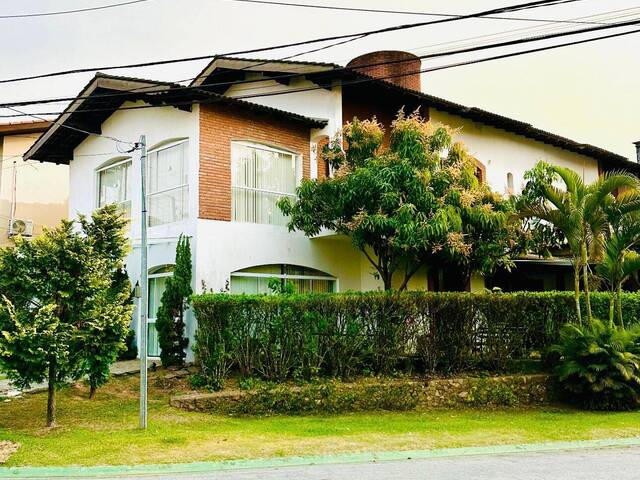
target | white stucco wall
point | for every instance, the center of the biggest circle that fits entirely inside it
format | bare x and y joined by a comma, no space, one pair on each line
502,152
320,103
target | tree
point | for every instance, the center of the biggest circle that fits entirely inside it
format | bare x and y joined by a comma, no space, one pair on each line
50,285
110,317
619,261
174,302
580,211
403,206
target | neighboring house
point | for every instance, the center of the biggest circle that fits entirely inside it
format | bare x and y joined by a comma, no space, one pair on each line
33,194
221,156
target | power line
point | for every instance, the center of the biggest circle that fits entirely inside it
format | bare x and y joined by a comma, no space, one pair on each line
367,79
153,88
114,139
511,8
407,12
67,12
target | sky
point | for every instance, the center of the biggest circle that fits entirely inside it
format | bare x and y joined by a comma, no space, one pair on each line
589,93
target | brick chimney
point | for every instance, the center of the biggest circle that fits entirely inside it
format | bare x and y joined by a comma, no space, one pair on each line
392,64
637,144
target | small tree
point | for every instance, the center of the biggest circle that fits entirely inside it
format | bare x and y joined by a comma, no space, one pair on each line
50,285
174,302
413,203
110,317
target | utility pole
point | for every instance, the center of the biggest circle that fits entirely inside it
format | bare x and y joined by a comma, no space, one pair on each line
143,284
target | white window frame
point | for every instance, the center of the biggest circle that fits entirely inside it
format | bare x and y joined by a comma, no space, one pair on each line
103,168
157,149
297,157
152,320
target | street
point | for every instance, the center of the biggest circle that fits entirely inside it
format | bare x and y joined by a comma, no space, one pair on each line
595,464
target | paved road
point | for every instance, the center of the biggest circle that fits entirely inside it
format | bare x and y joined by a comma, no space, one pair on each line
605,464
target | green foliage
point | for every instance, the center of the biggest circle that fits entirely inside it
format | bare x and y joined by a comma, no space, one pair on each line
582,212
599,365
65,314
280,286
276,338
405,206
173,306
106,332
325,397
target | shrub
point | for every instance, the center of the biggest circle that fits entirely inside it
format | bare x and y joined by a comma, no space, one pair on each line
599,366
344,335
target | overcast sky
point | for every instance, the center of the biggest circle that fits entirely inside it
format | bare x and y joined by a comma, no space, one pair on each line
590,93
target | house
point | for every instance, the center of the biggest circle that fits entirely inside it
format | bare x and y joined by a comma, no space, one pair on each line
243,134
33,195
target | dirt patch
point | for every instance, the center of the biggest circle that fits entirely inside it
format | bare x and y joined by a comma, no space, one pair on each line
7,449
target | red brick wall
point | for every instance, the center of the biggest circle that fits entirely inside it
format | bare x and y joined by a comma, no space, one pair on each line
219,126
401,68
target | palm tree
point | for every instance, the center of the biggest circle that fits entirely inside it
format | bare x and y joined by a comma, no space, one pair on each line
619,261
580,212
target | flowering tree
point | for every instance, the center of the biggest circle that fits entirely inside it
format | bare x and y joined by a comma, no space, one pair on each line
414,202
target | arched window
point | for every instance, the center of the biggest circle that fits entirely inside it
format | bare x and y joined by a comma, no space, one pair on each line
157,284
260,176
256,279
510,183
114,184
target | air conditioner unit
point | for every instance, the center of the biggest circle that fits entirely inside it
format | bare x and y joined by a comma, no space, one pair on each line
21,227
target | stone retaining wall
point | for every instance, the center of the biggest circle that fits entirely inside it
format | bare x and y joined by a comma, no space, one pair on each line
403,394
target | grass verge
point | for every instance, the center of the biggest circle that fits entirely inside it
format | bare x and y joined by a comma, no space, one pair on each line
104,431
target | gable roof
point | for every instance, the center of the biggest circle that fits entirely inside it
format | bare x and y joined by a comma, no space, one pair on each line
322,72
105,94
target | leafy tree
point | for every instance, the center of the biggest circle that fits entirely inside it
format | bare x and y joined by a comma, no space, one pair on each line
56,291
581,212
174,302
408,204
107,329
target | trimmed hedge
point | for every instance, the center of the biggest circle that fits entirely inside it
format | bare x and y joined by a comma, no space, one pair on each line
343,335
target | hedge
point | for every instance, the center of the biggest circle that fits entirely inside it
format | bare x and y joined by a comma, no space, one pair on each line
343,335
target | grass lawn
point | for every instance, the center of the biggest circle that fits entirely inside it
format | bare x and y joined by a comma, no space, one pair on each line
104,430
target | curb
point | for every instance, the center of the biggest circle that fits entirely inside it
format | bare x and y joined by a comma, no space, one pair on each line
202,467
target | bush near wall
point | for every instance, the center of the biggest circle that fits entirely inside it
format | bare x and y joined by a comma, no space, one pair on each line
345,335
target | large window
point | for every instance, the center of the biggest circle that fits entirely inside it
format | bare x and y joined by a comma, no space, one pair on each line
256,279
114,185
157,285
167,184
260,175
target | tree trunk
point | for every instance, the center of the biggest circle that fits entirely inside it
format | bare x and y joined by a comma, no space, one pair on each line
386,280
51,399
576,285
92,391
611,302
619,304
585,279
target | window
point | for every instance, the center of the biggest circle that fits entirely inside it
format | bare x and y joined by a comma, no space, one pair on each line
510,183
167,185
256,279
114,185
260,176
157,284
